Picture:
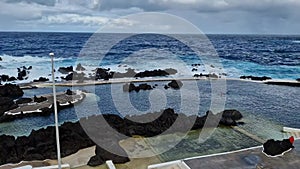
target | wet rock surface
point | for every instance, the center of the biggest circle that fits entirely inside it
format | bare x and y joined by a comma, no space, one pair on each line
131,87
206,75
79,67
7,78
175,84
11,90
106,73
39,99
66,70
277,147
6,104
41,79
291,84
256,78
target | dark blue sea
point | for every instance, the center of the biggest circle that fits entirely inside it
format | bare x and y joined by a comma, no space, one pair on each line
266,108
259,55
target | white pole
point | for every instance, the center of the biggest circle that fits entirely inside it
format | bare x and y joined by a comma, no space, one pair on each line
55,113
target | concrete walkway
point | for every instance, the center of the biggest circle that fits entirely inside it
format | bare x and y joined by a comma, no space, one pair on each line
247,159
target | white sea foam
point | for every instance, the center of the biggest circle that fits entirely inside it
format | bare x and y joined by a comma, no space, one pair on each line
41,66
140,61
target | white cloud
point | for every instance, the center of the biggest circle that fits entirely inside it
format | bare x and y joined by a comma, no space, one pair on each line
151,22
94,21
74,19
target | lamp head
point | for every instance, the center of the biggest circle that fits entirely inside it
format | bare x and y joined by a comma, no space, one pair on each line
51,54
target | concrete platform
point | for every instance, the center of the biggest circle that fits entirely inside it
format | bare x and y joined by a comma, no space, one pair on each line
248,158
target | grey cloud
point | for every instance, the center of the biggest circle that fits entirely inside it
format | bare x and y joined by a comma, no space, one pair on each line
22,11
202,6
40,2
259,16
124,4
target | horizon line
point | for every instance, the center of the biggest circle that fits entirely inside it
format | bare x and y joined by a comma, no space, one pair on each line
91,32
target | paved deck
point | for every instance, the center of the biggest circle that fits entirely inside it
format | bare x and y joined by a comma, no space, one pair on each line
247,159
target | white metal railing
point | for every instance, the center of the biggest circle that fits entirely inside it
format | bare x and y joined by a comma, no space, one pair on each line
110,164
178,163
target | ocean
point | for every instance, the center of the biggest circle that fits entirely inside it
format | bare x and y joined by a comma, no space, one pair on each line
259,55
266,108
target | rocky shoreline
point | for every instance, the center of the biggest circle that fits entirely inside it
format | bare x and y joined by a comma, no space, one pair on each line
79,75
174,84
12,108
40,144
280,83
8,93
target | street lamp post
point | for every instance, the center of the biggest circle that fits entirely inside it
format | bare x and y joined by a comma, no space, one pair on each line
55,112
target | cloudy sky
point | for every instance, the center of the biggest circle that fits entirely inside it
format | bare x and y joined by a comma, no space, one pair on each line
210,16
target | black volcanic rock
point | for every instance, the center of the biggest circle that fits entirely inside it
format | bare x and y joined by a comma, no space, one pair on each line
256,78
275,147
0,58
95,161
229,117
32,157
12,78
102,74
39,99
74,76
145,86
11,90
24,100
79,67
41,143
106,74
41,79
6,78
175,84
26,68
171,71
131,87
70,92
233,114
66,70
22,73
298,79
212,75
103,155
128,87
282,83
155,73
7,144
129,73
6,104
